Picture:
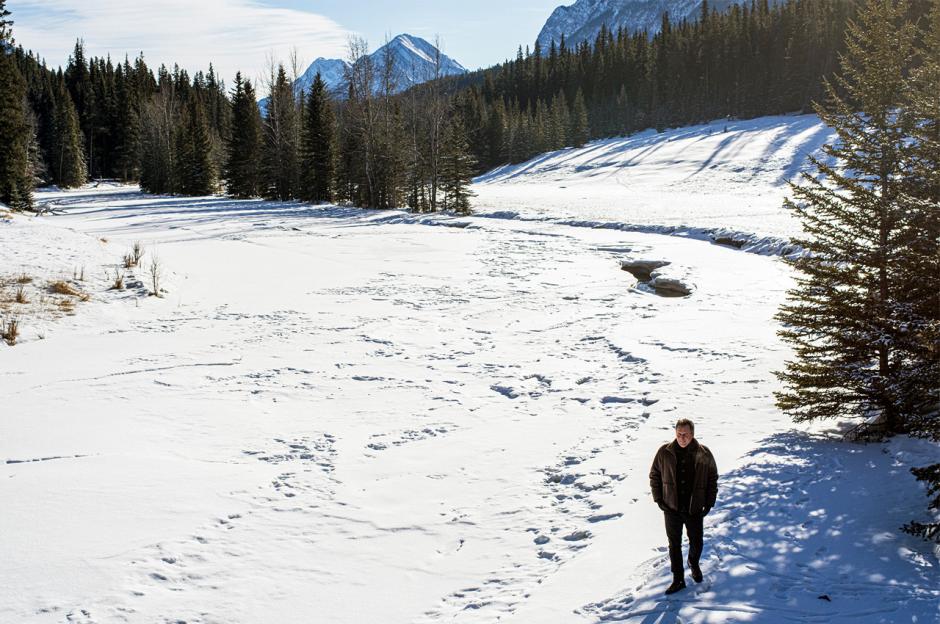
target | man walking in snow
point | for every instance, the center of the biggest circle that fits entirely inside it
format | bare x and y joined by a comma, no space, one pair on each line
684,481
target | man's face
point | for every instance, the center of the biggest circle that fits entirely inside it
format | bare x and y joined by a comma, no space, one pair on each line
684,436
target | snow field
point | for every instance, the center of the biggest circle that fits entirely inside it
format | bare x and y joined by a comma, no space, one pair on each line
336,415
724,180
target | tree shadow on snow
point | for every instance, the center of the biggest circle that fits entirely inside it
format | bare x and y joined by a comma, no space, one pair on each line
136,209
807,531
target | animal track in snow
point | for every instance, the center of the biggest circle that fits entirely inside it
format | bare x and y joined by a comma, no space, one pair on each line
382,441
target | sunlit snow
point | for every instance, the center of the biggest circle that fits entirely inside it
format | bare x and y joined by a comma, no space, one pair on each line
335,415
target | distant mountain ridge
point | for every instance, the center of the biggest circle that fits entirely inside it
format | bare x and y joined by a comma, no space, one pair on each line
414,61
582,20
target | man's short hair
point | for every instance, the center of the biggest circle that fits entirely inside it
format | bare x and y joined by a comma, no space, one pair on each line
685,422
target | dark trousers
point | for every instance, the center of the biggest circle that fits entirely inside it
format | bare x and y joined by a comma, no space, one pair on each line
693,527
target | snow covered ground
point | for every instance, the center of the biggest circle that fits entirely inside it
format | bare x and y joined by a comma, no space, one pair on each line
336,415
722,180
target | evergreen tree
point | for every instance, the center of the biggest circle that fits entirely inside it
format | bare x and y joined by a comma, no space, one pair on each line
40,93
280,140
495,134
923,263
457,167
560,122
79,82
317,152
67,163
846,317
6,25
15,182
580,130
243,169
36,164
126,125
195,174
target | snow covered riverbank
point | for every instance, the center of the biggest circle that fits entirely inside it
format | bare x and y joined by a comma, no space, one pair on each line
332,416
723,181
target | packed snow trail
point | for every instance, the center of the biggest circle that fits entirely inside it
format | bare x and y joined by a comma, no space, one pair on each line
332,417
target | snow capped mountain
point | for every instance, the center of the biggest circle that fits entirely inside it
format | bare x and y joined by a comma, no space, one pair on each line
332,71
582,20
414,61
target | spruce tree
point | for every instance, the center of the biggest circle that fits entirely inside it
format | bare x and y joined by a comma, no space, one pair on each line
457,167
194,169
6,25
923,263
922,212
845,317
79,81
317,151
243,166
561,120
126,125
16,185
67,158
579,132
496,134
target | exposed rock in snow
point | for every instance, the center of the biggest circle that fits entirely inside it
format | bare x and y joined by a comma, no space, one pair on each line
670,286
653,273
642,269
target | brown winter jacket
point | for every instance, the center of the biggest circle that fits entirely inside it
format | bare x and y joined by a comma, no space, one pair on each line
663,479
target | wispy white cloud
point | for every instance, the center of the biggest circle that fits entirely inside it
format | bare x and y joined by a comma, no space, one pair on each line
234,35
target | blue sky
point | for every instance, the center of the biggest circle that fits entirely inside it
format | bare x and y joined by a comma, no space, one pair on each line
243,34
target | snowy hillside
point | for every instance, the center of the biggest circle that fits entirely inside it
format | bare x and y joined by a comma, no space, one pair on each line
582,20
345,416
723,180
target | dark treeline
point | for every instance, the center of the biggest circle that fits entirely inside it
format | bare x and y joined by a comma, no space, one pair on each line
97,119
753,60
188,135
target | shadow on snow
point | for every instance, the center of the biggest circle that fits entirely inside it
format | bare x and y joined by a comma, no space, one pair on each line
806,531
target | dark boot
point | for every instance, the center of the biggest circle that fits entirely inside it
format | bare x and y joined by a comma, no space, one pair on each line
696,572
677,585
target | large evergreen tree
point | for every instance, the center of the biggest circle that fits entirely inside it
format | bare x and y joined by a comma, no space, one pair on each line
67,160
846,317
16,184
923,259
126,132
195,173
243,166
78,78
457,167
317,146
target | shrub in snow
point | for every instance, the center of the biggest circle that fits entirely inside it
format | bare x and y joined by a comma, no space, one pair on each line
10,331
